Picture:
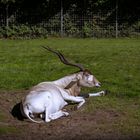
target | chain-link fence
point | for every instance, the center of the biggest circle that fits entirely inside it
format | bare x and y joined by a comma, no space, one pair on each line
95,25
99,25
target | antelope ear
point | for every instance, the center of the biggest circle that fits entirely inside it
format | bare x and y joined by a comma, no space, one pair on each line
86,72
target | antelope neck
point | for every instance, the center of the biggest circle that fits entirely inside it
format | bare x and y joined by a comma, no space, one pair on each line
63,82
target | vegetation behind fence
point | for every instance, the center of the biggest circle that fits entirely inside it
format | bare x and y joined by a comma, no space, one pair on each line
98,20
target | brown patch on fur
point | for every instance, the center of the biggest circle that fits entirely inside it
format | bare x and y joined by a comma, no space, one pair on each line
73,88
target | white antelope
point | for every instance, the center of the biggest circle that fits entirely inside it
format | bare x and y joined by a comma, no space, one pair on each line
49,98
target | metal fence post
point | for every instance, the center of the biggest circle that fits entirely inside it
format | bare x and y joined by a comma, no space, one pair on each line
62,32
116,19
7,15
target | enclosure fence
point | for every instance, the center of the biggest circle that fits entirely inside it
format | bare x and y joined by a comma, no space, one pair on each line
99,25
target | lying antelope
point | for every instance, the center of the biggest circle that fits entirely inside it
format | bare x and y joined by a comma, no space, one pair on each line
49,98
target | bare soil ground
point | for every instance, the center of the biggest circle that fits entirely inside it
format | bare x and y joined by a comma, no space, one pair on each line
79,125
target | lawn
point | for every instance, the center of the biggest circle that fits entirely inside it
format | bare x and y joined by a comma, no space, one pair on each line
114,62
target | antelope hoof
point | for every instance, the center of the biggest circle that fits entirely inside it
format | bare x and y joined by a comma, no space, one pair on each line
47,120
104,93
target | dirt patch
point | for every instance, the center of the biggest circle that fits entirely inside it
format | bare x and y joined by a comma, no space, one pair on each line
79,125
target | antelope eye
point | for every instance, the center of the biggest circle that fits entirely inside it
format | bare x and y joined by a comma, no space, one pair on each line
87,76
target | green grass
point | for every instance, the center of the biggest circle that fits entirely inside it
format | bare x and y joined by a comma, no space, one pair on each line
8,130
120,115
115,63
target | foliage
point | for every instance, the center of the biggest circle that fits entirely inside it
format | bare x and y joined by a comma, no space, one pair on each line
23,32
70,28
87,31
7,1
18,13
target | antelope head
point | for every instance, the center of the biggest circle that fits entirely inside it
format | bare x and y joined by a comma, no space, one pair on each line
84,77
87,79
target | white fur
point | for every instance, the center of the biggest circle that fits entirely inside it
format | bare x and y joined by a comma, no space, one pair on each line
51,97
101,93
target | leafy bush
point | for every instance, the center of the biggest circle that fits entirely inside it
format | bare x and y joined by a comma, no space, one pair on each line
22,32
86,30
70,27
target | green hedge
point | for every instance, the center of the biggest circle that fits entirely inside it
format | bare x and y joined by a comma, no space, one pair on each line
23,32
88,29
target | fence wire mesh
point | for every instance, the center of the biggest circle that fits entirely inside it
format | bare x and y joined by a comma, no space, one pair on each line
99,25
